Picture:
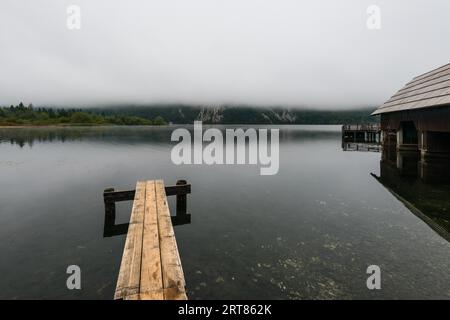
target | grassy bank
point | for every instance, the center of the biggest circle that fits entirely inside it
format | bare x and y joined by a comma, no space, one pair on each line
21,115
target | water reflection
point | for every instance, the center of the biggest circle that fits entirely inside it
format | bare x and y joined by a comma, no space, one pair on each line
134,135
364,147
308,232
422,185
137,134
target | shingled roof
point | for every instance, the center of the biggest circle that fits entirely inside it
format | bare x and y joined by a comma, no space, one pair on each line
430,89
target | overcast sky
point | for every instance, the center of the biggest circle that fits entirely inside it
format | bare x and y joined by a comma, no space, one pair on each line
317,53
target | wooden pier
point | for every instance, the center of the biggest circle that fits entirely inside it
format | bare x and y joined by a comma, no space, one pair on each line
151,266
363,133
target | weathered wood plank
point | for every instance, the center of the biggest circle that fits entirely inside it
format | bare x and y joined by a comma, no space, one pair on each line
172,272
144,296
116,196
151,267
178,190
128,282
151,274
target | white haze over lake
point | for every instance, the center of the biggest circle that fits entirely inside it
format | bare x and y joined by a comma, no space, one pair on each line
286,52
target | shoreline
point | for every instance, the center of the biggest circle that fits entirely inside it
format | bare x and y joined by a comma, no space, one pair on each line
165,125
75,125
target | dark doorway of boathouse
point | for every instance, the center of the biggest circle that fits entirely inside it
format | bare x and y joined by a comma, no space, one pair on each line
409,133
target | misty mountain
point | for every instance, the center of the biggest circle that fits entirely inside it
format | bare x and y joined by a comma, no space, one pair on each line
181,114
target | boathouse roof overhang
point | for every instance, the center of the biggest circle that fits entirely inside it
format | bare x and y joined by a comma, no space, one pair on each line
429,90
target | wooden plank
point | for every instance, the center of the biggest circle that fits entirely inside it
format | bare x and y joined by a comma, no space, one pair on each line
178,190
151,286
129,275
172,272
144,296
116,196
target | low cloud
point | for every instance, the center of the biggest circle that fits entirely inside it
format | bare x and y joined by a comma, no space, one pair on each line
317,54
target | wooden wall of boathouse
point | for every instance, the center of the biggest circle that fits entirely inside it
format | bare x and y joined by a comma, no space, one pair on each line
425,130
428,153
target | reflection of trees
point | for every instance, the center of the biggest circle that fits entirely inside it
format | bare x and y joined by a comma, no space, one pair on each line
137,134
128,135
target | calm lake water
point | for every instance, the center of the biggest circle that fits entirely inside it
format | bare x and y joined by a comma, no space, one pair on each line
309,232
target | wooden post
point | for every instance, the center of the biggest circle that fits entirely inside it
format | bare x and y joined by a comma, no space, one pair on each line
181,200
110,214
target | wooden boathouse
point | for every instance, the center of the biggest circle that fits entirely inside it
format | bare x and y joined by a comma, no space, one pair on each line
417,117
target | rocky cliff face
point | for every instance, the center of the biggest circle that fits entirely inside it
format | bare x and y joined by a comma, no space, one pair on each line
253,115
281,116
211,115
180,114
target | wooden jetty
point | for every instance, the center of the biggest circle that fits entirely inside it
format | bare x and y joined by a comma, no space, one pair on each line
363,133
151,266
